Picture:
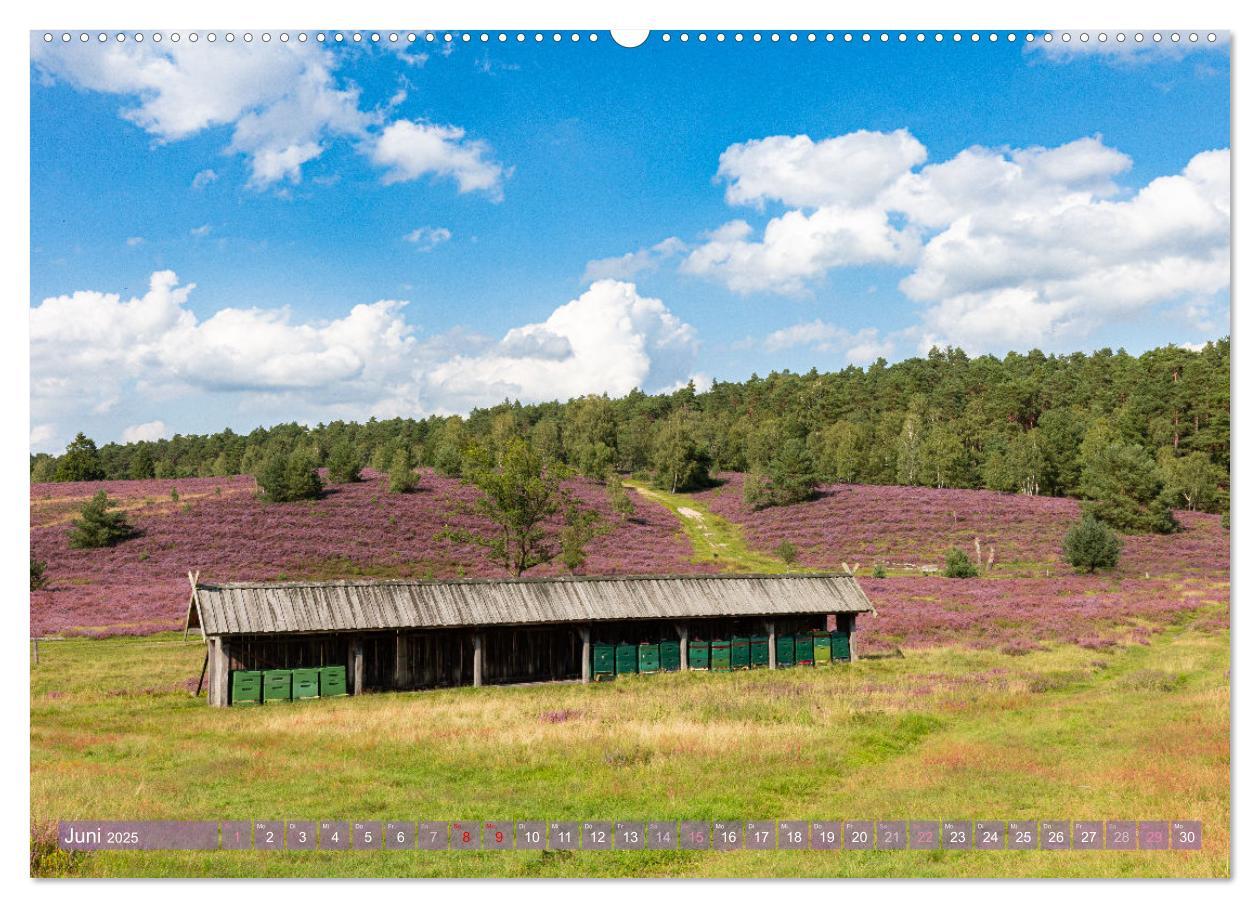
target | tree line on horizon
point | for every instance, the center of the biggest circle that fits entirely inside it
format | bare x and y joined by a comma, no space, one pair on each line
1136,435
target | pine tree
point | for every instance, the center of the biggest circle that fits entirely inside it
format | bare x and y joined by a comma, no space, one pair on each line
1090,544
402,472
99,525
1124,490
81,462
958,565
344,464
291,478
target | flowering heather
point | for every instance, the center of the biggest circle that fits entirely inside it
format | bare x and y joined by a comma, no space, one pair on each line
1029,598
358,529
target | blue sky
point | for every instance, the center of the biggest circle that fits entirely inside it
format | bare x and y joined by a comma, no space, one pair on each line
581,217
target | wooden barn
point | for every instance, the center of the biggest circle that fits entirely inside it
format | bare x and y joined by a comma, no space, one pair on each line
412,635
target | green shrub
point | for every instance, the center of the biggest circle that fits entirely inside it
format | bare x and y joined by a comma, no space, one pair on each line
957,564
786,551
344,463
292,478
39,579
99,525
879,573
402,472
1090,545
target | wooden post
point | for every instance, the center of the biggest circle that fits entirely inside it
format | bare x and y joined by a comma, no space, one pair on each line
683,638
356,665
774,644
35,650
478,656
586,654
402,673
218,668
852,634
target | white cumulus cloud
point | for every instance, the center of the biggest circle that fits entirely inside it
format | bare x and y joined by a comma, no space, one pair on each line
410,149
1003,247
92,349
610,339
284,102
630,265
147,431
859,347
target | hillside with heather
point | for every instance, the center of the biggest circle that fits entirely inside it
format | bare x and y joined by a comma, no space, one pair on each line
1025,597
220,528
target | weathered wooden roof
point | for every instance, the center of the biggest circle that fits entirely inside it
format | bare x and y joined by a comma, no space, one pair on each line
283,608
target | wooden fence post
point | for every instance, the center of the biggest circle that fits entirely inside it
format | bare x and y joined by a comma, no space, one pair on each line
684,638
774,644
478,657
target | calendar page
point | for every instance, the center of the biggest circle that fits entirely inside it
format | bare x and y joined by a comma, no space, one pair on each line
674,453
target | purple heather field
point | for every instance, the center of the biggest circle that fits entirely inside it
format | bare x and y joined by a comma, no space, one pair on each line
219,527
1028,598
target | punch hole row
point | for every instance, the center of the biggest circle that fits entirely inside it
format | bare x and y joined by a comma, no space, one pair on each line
664,37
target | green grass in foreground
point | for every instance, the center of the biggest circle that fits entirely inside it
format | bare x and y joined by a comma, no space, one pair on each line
1140,733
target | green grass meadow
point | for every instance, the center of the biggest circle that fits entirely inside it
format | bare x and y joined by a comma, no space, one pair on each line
1067,733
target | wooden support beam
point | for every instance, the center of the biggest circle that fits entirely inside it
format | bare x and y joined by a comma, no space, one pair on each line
774,644
218,668
852,634
586,654
402,672
356,666
478,657
684,638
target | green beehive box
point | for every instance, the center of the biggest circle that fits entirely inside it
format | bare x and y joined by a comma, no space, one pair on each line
649,658
332,681
804,649
739,652
840,646
246,687
306,684
758,651
822,649
671,656
720,655
785,651
697,655
627,659
277,685
603,661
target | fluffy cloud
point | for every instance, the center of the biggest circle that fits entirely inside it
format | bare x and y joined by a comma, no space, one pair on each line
860,347
90,350
410,149
797,247
283,101
426,239
147,431
1060,271
1005,247
625,267
849,170
610,339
